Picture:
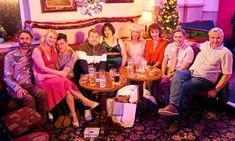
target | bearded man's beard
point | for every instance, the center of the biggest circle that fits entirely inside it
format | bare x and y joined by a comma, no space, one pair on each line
25,45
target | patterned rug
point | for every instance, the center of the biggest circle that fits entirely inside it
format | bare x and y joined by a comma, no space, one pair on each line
215,125
215,122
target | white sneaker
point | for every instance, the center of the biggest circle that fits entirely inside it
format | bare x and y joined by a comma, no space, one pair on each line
87,115
50,116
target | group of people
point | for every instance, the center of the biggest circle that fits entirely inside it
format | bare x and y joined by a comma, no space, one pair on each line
56,68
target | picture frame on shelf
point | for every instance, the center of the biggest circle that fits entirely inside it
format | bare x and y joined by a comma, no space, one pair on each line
58,5
119,1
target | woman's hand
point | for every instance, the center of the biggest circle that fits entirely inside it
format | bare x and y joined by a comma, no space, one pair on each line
62,73
40,77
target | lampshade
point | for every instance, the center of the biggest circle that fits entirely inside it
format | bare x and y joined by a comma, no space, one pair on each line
146,17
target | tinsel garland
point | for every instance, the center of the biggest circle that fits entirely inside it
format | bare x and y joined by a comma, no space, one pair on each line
77,24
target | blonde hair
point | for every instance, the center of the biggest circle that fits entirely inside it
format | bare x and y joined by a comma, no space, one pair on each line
138,29
43,39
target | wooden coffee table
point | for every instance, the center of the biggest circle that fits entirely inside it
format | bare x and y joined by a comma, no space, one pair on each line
140,78
110,86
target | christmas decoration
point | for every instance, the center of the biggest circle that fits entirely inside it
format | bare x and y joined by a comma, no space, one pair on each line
76,24
168,18
90,7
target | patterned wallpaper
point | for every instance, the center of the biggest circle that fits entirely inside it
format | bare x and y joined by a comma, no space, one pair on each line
10,16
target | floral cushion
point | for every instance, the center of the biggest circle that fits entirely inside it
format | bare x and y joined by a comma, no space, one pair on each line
20,121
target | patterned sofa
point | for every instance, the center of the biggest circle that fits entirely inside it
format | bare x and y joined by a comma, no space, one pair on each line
6,102
16,121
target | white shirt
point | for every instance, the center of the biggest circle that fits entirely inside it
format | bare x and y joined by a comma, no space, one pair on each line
210,62
185,54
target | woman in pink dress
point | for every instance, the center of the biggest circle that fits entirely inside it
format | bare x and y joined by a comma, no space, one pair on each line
53,81
135,46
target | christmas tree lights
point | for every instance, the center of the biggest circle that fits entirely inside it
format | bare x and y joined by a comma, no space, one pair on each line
168,19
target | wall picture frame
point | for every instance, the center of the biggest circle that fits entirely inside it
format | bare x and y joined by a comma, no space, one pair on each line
58,5
119,1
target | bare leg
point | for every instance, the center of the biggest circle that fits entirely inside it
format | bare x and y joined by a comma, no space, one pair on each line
87,102
70,102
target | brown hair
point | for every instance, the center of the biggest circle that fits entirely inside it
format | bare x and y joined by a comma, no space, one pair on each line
92,31
25,31
110,26
179,30
152,27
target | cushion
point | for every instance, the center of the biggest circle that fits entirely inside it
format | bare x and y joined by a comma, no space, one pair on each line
22,120
37,136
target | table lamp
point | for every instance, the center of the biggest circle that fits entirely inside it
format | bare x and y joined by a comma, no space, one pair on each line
145,19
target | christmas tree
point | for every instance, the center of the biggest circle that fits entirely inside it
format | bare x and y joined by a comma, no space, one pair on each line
168,18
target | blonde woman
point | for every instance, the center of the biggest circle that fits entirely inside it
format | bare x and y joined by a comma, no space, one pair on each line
55,83
136,45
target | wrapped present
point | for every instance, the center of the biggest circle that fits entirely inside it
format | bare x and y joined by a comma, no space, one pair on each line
91,132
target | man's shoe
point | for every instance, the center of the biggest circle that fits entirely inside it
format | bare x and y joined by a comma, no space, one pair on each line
169,110
175,126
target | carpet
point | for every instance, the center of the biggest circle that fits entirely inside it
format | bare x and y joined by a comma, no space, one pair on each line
214,122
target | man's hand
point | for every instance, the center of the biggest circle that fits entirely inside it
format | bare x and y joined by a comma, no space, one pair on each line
21,93
212,93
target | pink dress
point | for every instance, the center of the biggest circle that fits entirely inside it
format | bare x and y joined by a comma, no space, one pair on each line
55,87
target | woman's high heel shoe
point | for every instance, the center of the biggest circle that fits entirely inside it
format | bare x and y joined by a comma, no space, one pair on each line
50,116
91,104
75,124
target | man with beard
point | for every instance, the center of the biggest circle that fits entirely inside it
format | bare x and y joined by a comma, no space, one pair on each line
18,76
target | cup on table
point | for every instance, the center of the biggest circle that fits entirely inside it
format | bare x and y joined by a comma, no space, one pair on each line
92,80
130,68
151,71
116,78
91,70
112,72
102,81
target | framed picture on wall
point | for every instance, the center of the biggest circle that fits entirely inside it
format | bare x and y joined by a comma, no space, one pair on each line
58,5
119,1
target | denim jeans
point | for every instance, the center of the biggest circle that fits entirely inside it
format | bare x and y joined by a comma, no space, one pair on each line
184,86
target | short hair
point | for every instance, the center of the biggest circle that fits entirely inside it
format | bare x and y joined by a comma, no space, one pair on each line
179,30
93,31
110,26
25,31
216,29
62,36
154,26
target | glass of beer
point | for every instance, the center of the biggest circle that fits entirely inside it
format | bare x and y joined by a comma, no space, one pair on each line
116,78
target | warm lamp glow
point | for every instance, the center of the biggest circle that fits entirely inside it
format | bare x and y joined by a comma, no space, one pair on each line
146,17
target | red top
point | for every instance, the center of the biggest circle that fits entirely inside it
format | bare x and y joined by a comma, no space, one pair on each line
155,56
